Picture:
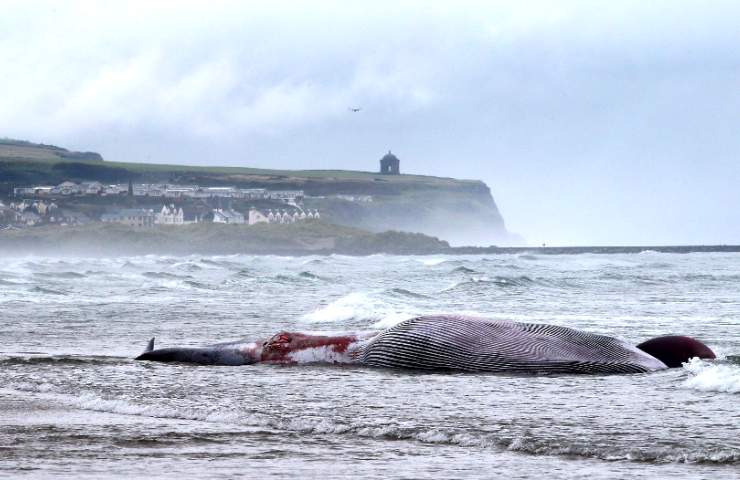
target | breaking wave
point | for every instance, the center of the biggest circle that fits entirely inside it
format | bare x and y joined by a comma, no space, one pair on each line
498,281
712,377
463,269
360,307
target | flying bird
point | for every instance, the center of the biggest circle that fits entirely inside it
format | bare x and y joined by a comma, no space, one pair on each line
355,109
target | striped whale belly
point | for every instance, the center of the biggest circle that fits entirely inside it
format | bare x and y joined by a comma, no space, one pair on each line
472,344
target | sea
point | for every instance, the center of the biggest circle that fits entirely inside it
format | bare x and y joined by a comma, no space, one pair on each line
74,403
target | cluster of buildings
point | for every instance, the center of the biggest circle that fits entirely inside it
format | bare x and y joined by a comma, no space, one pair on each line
346,198
30,213
171,215
26,213
36,205
159,190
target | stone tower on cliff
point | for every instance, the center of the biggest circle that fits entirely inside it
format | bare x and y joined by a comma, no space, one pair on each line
390,164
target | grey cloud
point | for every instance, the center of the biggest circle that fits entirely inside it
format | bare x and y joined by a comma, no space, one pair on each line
593,122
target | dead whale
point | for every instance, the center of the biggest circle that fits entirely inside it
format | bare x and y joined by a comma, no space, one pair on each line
453,343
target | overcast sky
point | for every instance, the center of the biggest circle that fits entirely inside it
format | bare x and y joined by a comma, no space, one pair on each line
592,122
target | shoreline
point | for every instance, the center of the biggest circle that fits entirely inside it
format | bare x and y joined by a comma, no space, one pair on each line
304,239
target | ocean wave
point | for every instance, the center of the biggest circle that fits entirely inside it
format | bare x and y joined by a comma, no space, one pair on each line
462,269
712,376
476,438
294,278
58,275
358,306
402,292
432,262
59,360
165,275
48,291
498,281
657,265
244,273
198,285
312,276
314,261
229,265
187,266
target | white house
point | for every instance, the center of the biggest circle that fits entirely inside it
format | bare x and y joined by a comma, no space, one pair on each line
148,190
354,198
91,188
66,188
178,191
170,216
253,193
43,190
255,217
227,216
135,217
286,196
221,191
281,216
114,189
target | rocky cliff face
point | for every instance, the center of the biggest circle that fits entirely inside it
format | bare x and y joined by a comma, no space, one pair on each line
463,213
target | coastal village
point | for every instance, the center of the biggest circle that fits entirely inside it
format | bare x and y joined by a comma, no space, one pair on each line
180,205
150,204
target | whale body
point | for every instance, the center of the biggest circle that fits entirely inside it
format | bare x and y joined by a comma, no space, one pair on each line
454,343
480,345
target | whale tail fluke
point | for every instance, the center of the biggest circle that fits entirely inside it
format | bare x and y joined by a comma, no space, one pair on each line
149,346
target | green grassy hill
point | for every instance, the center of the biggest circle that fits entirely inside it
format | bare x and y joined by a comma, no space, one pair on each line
47,161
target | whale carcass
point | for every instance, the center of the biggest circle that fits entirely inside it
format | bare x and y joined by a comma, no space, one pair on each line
453,343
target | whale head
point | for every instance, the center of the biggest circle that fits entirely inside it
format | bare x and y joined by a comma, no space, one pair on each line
674,350
224,354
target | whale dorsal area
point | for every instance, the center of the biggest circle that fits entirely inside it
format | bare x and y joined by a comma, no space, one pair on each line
472,344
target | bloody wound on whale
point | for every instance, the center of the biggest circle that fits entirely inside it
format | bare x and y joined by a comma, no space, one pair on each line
453,343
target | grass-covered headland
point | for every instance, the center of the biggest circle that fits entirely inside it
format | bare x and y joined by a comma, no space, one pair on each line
460,211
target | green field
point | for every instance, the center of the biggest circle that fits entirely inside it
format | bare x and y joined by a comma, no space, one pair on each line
27,161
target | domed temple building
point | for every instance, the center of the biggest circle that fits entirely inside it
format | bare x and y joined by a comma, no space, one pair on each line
389,164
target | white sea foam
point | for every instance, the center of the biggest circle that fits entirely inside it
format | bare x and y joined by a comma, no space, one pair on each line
92,402
348,307
359,306
430,262
709,377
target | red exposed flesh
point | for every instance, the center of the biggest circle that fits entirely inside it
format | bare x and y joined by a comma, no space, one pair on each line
281,345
